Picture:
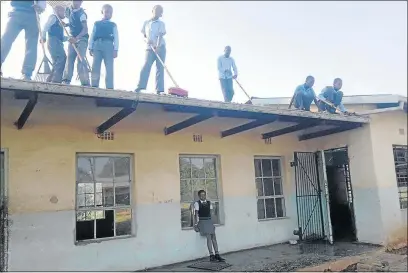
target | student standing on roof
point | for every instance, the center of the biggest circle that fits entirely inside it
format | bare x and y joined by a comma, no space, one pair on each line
225,63
23,16
153,30
304,95
104,45
204,224
334,95
79,37
55,44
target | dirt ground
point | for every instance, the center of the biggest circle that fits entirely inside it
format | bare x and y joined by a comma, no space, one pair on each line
283,257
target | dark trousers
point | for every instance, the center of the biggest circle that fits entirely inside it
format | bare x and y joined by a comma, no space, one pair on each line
227,88
335,97
58,56
303,100
150,58
103,50
19,20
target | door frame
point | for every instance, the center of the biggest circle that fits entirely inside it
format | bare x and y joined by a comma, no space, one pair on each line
5,255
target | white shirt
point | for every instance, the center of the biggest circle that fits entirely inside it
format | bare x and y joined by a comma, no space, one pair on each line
152,30
224,67
197,206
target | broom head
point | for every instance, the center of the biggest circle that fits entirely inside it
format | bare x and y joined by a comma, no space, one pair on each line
177,91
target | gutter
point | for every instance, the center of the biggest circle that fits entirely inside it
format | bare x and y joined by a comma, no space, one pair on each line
400,107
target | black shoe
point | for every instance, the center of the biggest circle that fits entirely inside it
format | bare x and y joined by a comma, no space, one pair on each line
138,90
219,258
212,258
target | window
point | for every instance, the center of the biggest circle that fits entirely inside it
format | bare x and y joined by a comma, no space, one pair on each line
268,179
400,160
103,196
198,173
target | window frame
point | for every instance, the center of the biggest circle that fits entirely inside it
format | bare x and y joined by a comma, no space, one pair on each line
395,148
282,196
218,183
114,208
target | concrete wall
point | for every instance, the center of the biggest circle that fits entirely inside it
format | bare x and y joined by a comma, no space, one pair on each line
42,169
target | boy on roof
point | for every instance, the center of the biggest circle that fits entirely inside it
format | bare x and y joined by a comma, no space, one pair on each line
79,37
304,95
334,95
55,44
225,63
104,45
153,30
23,16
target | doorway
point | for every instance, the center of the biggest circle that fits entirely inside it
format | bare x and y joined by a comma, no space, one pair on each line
340,195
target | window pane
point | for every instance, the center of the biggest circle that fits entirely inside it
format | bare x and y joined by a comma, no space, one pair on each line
186,190
107,194
84,169
122,169
211,188
89,215
122,194
258,169
81,201
280,207
104,225
123,220
270,208
259,187
80,216
278,186
198,184
89,200
104,169
276,167
186,216
268,186
261,209
215,214
197,167
209,168
185,168
266,168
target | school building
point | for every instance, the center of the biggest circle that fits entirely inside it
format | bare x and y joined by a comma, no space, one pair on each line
99,180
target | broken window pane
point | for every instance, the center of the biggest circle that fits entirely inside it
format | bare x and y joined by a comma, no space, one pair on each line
276,167
261,208
122,194
270,208
209,168
105,225
268,186
211,188
186,215
123,219
185,168
197,167
81,201
266,168
186,190
258,168
84,169
278,186
107,194
103,169
122,169
280,207
80,216
259,186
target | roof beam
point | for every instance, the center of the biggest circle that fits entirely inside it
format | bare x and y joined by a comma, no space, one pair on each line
331,131
186,123
291,129
28,109
126,111
247,126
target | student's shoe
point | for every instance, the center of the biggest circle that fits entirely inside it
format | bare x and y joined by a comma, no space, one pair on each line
25,77
138,90
160,92
219,258
65,82
212,258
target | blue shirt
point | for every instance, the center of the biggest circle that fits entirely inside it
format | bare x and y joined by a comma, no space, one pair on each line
115,37
321,96
27,5
152,30
307,91
224,65
52,29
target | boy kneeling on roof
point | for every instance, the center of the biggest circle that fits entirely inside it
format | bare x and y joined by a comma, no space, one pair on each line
23,16
333,95
204,224
55,43
104,45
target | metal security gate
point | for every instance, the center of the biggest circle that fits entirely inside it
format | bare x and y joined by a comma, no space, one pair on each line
308,197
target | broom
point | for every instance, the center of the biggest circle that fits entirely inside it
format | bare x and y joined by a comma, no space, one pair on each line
45,63
67,4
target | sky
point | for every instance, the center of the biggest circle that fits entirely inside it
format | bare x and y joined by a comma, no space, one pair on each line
275,45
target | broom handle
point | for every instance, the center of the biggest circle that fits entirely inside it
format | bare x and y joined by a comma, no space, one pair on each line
242,88
40,31
165,67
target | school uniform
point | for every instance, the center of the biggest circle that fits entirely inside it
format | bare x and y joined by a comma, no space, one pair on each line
304,97
205,223
55,44
331,95
22,17
152,29
103,42
226,76
75,18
